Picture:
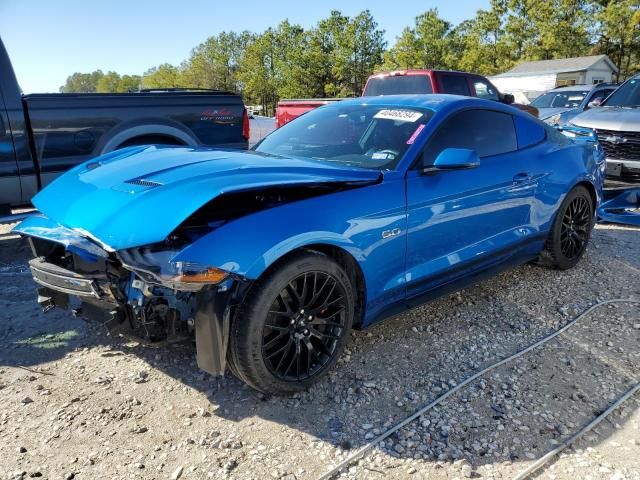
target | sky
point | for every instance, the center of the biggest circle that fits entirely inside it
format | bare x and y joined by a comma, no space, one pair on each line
48,40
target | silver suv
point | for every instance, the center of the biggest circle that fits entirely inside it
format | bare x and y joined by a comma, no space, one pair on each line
617,125
559,106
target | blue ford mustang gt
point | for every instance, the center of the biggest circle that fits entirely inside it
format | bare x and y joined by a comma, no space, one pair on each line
352,213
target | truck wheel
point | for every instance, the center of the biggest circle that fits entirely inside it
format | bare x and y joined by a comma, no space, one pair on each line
293,325
570,231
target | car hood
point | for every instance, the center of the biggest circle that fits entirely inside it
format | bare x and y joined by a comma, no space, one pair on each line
139,195
547,112
623,119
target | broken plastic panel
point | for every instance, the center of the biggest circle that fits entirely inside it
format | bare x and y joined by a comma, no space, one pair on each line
623,209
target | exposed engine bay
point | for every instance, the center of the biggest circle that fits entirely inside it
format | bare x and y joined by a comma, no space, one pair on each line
110,293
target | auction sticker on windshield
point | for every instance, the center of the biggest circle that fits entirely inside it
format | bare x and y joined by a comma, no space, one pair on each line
399,115
413,137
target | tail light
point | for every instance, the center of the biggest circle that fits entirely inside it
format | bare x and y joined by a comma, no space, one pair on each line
245,125
277,115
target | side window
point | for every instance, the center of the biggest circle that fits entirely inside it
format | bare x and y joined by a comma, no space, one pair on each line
485,131
454,84
529,132
485,90
601,94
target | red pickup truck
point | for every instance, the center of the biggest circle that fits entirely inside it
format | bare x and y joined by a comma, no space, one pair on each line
287,110
409,82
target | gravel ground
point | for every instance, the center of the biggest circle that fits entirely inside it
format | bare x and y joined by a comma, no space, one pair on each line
76,403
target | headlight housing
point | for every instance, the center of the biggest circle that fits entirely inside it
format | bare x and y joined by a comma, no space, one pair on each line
186,272
155,266
553,119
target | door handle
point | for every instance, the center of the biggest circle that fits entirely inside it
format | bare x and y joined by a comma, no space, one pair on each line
521,177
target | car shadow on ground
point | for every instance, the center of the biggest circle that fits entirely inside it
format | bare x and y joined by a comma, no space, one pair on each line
517,412
28,337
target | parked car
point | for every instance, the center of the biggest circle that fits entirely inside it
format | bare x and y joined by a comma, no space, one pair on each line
617,125
410,82
558,106
354,212
438,81
43,135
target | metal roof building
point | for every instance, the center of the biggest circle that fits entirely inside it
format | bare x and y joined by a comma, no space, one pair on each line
534,78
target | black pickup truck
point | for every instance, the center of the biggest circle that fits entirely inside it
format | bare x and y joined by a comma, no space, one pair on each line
42,135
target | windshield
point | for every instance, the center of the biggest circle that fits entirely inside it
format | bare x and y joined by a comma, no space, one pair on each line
566,99
366,136
626,95
397,85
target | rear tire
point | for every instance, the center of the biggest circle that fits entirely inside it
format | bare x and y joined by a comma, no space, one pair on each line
570,232
293,324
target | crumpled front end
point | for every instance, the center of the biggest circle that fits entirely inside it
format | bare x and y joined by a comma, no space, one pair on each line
137,292
114,234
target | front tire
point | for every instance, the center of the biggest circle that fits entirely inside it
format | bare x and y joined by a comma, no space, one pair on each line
571,230
293,325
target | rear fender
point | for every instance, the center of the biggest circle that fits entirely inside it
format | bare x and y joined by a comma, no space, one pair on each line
565,165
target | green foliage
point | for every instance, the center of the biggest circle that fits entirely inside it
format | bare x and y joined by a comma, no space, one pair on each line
108,83
162,76
335,57
359,50
129,83
82,82
427,45
322,54
99,82
215,62
619,34
257,71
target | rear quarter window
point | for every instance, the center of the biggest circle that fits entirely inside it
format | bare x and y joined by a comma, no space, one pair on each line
397,85
454,84
529,132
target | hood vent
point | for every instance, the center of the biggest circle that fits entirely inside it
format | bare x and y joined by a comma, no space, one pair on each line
144,183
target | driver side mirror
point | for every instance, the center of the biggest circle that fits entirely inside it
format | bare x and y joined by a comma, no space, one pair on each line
596,102
508,98
454,159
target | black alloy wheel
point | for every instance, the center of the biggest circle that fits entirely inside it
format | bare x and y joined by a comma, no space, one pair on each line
304,326
576,224
293,324
570,231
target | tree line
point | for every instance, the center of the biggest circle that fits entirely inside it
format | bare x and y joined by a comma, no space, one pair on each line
335,57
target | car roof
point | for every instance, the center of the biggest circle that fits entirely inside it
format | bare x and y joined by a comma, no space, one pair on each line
426,100
571,88
420,71
432,101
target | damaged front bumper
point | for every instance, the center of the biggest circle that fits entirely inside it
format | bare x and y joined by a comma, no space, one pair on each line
623,208
133,298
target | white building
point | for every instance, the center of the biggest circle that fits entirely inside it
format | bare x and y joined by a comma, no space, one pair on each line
534,78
